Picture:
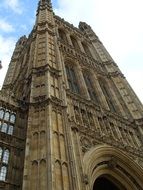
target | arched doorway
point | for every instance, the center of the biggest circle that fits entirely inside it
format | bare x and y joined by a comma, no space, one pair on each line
104,183
107,167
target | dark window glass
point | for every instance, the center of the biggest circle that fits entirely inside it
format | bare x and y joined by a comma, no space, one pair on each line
107,94
74,42
62,35
90,88
86,49
72,80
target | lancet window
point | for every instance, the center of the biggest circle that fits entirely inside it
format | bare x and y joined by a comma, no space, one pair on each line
90,87
74,42
7,121
4,159
72,79
86,49
107,94
62,35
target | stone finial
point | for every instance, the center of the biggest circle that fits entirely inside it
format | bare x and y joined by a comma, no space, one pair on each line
84,26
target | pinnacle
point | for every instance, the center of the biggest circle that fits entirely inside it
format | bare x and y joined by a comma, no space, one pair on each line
45,1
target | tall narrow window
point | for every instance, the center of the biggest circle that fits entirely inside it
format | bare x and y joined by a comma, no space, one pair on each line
1,113
5,156
105,90
6,116
10,130
90,88
4,128
62,35
0,153
3,172
72,80
74,42
12,118
86,49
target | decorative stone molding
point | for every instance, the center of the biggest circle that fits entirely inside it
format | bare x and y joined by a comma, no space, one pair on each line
85,179
112,163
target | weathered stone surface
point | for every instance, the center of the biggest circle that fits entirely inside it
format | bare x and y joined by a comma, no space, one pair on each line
77,118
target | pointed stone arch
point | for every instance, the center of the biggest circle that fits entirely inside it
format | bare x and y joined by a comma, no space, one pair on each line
104,160
43,174
34,176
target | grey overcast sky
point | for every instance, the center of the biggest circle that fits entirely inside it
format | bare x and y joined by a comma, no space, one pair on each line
118,23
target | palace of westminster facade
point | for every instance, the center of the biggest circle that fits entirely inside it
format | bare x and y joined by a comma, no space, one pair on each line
69,120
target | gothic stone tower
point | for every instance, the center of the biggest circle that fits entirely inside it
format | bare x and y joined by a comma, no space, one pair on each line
69,120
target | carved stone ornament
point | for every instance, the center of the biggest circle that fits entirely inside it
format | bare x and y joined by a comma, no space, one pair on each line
85,179
86,144
112,163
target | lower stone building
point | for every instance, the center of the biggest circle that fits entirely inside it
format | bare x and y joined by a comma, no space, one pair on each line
69,120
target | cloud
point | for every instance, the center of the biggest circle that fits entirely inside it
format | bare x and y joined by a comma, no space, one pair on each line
15,5
6,48
5,26
118,25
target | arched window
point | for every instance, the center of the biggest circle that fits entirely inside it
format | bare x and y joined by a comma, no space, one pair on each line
90,88
3,172
86,49
10,130
74,42
107,94
12,118
4,128
0,153
1,113
6,116
62,35
72,79
5,156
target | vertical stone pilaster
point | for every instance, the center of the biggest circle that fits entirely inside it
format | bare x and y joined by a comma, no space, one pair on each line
82,83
